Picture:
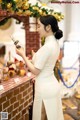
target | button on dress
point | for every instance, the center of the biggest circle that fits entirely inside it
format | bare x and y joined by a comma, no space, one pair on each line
47,88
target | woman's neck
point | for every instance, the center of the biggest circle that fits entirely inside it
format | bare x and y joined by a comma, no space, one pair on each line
49,34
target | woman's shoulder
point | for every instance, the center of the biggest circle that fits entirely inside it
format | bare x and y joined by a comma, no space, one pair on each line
44,48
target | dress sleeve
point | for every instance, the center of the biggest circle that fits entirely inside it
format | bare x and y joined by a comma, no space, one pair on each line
41,57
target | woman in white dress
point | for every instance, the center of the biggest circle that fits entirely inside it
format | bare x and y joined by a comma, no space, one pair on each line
47,88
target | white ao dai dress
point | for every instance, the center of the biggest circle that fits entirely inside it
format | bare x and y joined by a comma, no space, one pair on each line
47,88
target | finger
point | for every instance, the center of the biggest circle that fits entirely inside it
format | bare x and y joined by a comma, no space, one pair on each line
18,46
32,81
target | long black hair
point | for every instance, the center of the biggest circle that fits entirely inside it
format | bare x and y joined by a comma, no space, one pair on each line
51,20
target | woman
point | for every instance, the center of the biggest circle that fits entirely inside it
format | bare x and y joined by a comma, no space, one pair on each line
47,88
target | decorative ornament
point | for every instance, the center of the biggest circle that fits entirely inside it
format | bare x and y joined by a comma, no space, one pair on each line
40,11
9,5
19,12
23,7
16,1
26,6
27,13
42,41
57,66
0,1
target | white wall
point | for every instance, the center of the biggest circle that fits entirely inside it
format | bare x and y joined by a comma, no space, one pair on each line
72,25
18,34
6,32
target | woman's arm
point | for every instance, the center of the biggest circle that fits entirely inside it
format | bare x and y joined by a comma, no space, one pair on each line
30,66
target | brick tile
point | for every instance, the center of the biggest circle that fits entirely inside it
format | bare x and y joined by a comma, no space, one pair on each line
2,99
16,104
0,107
10,108
9,95
19,96
6,104
16,91
13,100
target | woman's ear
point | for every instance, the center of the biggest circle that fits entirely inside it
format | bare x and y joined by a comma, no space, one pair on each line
48,28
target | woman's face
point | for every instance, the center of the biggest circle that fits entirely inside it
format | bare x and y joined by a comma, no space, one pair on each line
40,29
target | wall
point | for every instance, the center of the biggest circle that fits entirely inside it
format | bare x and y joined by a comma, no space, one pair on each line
17,33
16,101
28,39
6,31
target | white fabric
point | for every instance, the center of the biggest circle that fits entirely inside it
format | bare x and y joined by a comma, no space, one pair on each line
47,88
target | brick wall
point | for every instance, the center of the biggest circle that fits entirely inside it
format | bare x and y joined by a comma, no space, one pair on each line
32,42
32,38
16,101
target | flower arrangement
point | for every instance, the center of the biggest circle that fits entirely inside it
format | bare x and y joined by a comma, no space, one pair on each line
23,7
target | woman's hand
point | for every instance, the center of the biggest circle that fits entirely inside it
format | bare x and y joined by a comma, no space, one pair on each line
20,51
31,67
32,52
33,80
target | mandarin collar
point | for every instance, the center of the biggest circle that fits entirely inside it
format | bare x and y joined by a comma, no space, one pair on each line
49,39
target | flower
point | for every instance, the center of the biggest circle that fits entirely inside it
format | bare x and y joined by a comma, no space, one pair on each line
23,7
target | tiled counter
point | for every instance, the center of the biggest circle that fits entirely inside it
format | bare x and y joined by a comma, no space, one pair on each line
16,96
